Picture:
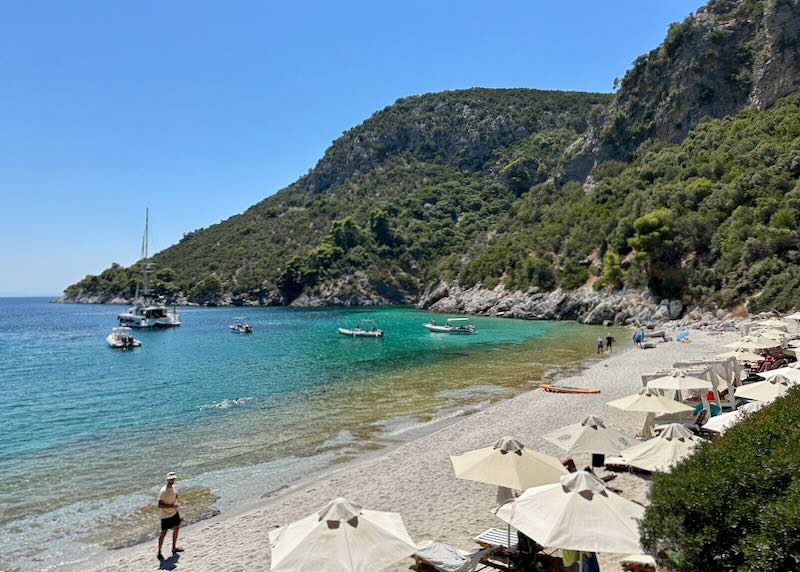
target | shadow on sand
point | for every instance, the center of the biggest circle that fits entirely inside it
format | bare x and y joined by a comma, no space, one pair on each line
170,563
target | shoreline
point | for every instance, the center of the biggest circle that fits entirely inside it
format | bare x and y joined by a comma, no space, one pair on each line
414,477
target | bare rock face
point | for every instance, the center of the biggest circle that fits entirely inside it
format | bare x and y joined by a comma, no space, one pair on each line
727,56
585,305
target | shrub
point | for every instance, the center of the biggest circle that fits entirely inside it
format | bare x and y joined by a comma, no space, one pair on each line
733,505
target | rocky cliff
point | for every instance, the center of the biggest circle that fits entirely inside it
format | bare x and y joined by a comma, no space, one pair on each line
726,56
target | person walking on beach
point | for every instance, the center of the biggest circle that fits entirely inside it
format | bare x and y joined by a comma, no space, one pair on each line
637,338
609,341
599,345
170,519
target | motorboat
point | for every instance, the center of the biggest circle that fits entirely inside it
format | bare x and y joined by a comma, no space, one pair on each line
451,326
362,329
121,338
148,312
239,326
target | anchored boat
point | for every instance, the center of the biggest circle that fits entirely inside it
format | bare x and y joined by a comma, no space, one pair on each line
362,329
148,312
122,338
452,326
239,326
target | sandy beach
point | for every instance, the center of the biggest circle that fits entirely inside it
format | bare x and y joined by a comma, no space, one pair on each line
416,478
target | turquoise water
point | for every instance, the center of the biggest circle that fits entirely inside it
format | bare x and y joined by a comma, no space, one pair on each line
85,426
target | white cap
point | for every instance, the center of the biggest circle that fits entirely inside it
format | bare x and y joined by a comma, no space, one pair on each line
172,475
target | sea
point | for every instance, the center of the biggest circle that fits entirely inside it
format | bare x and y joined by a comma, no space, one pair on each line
87,432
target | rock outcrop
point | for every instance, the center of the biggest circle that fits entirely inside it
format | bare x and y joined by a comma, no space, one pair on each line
622,307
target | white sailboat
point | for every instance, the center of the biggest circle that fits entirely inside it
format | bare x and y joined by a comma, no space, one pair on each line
148,313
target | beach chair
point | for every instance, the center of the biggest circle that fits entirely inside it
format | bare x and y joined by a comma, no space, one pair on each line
695,425
445,558
521,554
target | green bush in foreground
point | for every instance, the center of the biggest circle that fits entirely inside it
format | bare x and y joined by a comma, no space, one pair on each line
735,504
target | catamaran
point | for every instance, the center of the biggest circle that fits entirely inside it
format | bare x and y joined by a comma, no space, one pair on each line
362,329
451,326
122,339
148,311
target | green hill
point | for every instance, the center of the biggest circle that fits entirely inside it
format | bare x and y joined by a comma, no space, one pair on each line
684,181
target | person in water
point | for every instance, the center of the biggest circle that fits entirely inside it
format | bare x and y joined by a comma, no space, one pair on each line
170,519
609,341
599,345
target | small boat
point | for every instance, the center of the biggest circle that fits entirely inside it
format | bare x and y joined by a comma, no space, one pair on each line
567,389
451,326
362,329
241,327
121,338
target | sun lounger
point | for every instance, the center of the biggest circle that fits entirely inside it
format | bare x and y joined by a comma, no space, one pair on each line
695,426
619,465
497,538
446,558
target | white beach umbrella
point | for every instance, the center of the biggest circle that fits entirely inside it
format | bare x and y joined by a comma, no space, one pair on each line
770,334
342,537
725,421
741,354
788,372
590,436
649,400
577,513
772,323
767,390
754,343
662,452
508,464
677,380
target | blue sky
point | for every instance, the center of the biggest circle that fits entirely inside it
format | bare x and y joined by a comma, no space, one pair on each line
199,109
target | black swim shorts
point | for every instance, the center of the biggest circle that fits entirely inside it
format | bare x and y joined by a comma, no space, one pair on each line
171,522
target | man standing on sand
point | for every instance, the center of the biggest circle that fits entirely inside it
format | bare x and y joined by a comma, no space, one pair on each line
170,519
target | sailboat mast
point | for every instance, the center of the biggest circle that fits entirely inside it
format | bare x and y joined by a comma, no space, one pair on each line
145,263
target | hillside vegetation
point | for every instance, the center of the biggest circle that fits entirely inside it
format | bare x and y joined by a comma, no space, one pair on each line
685,181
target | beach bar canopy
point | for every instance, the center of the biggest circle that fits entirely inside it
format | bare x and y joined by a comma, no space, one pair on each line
341,537
577,513
767,390
661,453
590,436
